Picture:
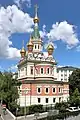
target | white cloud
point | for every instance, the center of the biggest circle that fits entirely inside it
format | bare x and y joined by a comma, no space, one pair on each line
19,3
64,32
13,68
43,33
12,20
78,48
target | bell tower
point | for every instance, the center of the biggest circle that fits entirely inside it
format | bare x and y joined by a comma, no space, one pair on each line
36,40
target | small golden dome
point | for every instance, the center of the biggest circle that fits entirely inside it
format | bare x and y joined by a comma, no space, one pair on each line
23,50
30,43
50,47
36,20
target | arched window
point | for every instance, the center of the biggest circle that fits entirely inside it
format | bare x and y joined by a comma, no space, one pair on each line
31,70
38,46
48,70
41,70
35,46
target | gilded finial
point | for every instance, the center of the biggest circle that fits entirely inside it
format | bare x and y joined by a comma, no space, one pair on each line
36,10
23,51
36,19
50,49
23,44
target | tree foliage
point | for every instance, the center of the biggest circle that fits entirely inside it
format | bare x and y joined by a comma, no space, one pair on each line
75,98
8,89
74,81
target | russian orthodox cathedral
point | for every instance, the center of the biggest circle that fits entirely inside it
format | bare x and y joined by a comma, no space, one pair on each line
38,74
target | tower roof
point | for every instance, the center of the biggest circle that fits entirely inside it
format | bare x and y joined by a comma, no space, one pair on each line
30,43
36,19
50,47
23,51
35,33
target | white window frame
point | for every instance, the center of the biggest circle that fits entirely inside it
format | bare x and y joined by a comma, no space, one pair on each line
40,90
55,100
48,90
35,46
47,70
52,90
45,100
60,89
38,47
31,67
40,100
43,70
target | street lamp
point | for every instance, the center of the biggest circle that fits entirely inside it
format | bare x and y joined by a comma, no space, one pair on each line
25,91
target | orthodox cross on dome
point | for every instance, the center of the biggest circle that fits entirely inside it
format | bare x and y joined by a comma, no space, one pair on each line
35,33
36,10
23,43
23,51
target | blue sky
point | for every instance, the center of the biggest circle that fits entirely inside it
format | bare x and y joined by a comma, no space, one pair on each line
63,15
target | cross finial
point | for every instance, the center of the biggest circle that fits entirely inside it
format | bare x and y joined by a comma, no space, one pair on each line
23,43
36,9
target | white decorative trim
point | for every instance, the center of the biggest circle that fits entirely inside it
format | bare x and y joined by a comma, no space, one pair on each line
43,70
52,90
48,90
40,90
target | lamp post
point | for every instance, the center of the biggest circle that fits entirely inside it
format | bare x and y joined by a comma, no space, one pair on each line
25,103
25,91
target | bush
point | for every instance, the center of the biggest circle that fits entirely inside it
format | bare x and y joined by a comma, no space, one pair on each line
35,108
61,106
29,110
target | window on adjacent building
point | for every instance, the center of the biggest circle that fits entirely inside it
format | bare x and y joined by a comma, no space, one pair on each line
47,100
54,100
65,79
61,74
31,70
39,100
53,89
65,74
41,70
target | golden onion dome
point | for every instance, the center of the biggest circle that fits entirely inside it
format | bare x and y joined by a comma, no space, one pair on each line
23,50
30,43
36,20
50,47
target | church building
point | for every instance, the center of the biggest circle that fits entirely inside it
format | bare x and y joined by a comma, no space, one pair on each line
38,74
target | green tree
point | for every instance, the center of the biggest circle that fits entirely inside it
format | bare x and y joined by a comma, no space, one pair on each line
74,81
75,98
8,89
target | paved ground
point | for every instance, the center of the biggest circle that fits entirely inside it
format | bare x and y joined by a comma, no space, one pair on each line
7,116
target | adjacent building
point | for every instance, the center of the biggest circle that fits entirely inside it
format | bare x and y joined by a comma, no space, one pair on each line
64,73
38,74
